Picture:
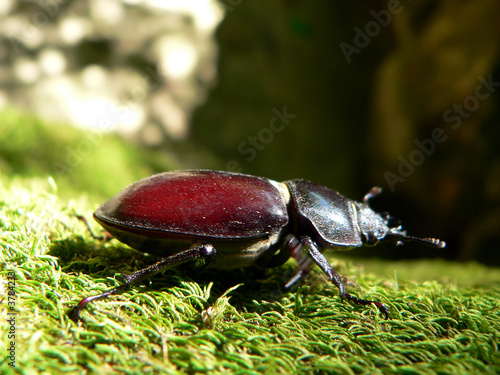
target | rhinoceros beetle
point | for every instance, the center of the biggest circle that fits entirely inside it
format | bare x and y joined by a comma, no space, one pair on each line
235,220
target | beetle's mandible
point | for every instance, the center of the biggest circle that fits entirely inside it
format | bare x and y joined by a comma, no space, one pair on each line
234,220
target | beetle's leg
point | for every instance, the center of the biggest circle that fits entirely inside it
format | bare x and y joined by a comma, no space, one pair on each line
382,308
205,251
106,235
302,272
305,262
280,257
326,267
295,247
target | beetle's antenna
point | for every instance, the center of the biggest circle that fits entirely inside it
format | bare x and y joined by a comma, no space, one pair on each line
428,241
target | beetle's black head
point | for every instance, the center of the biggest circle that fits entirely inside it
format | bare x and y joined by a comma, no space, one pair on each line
375,227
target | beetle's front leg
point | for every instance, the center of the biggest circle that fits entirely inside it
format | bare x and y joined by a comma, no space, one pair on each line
326,267
305,261
205,251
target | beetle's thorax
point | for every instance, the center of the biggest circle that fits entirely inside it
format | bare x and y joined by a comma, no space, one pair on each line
324,215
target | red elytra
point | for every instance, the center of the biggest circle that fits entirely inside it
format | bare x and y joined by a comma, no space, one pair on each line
197,204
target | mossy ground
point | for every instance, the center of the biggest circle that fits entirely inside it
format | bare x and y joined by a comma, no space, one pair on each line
445,317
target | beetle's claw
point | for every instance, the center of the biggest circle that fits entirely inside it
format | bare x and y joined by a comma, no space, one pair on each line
74,314
381,307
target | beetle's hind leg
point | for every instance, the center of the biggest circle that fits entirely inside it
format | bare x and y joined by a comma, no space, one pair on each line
205,251
326,267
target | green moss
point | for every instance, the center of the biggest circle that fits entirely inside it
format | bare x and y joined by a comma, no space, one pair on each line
183,322
444,316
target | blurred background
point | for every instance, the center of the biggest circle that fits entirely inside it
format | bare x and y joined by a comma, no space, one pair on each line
398,94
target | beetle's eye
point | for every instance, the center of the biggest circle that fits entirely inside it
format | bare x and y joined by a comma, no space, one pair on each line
392,222
371,238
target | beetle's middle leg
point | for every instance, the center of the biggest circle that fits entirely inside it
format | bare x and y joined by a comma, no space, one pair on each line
205,251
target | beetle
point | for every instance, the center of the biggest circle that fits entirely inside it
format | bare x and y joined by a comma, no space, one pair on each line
234,220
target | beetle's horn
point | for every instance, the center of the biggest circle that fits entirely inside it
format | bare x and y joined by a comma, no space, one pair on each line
428,241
